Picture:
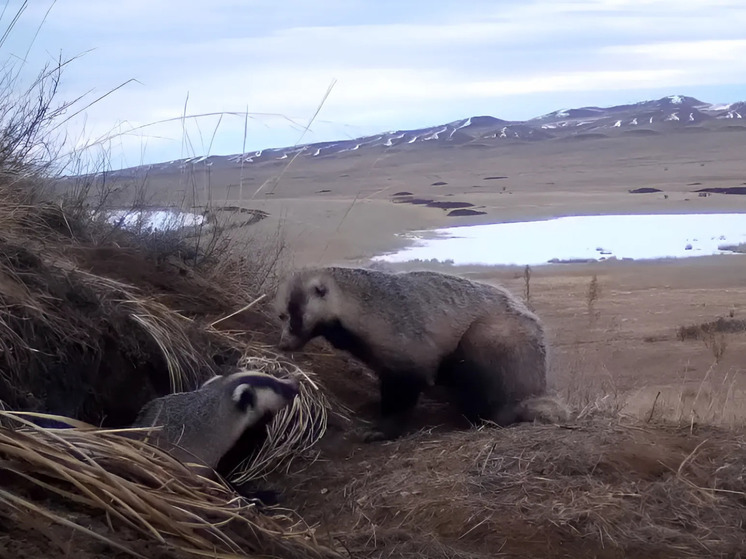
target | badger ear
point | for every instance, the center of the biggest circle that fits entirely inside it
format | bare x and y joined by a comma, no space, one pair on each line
319,289
244,397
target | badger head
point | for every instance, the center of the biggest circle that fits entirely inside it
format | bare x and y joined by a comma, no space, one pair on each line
304,304
248,396
207,422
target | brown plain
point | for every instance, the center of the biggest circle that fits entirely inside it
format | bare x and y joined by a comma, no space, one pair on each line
604,488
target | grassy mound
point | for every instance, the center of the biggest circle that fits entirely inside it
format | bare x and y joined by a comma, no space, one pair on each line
600,488
92,327
75,341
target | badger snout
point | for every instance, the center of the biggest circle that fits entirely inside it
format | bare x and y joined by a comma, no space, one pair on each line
289,342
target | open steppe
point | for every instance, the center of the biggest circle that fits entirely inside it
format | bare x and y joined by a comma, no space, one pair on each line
620,350
649,355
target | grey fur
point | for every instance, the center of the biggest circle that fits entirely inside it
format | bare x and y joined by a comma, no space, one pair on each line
418,329
202,425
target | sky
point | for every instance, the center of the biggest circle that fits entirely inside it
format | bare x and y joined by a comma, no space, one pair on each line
391,64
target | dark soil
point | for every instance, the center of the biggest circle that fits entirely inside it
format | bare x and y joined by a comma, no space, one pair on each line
449,205
462,213
724,190
645,190
415,201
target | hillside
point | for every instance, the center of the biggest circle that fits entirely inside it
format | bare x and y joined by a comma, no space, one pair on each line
661,116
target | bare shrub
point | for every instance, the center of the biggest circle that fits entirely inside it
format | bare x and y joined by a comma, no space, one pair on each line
706,329
592,295
527,285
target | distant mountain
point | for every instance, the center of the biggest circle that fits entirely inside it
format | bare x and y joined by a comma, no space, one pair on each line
674,108
656,116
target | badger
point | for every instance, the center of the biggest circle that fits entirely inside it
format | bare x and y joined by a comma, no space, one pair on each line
419,329
201,426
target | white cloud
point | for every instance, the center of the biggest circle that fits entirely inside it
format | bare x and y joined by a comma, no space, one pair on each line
397,64
715,50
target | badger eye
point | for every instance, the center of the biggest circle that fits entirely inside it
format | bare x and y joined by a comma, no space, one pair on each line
282,316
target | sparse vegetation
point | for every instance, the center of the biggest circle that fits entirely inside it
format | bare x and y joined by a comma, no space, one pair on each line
594,292
706,330
98,317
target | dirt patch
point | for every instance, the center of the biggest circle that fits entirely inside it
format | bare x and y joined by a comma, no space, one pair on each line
462,213
449,205
171,281
598,487
644,190
724,190
414,201
739,248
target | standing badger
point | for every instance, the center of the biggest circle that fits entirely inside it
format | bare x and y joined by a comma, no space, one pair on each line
202,425
419,329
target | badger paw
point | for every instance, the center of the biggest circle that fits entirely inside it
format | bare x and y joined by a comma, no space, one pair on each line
373,436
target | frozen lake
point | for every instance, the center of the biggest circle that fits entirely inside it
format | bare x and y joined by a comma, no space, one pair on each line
579,237
157,220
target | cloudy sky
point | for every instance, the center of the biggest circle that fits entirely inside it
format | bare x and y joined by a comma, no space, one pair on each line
397,64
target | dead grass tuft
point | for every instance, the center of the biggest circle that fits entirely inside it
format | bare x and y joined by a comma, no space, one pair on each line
294,430
133,498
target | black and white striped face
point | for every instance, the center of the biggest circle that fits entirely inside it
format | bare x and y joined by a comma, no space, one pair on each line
252,395
303,306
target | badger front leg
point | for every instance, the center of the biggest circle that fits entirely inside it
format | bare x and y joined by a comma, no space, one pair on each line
399,395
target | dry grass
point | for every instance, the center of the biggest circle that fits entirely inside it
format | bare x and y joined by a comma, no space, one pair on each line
598,488
294,430
55,317
706,330
69,336
95,479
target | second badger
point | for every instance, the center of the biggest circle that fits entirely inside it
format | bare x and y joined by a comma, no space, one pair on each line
201,426
418,329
